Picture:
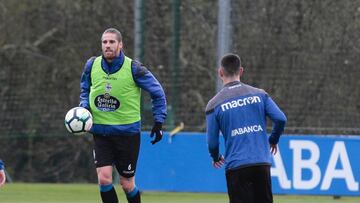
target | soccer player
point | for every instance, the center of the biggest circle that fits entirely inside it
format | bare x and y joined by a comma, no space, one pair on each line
2,173
239,112
110,89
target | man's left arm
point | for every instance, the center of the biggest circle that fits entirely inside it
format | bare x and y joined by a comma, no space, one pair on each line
146,81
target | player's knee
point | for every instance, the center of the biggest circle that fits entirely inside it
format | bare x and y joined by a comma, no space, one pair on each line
127,184
104,179
104,175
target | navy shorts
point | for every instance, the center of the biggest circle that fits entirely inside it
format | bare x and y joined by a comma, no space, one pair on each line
121,151
249,185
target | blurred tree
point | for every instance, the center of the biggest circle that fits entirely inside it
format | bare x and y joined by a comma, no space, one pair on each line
304,53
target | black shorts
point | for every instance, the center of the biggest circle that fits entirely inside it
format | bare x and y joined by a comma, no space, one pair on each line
121,151
250,184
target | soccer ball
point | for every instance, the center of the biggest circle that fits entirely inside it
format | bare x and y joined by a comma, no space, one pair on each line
78,120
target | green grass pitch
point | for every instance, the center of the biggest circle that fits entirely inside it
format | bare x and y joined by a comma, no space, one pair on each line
88,193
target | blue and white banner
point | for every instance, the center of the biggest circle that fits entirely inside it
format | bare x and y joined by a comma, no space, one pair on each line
328,165
306,164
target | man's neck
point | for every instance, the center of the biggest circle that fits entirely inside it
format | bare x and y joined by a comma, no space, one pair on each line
229,80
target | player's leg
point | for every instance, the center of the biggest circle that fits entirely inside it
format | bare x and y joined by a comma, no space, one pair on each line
130,189
107,190
262,184
103,158
126,161
239,185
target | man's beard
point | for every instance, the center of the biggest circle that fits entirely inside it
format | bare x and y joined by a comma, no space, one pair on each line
109,55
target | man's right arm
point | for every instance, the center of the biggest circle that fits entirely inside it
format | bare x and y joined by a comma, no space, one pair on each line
212,133
85,84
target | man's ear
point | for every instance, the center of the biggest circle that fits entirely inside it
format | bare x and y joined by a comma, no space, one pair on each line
120,46
221,72
241,72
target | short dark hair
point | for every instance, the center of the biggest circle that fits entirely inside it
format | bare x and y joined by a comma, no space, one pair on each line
231,64
114,31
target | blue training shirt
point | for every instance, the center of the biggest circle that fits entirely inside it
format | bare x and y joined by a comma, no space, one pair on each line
142,77
239,112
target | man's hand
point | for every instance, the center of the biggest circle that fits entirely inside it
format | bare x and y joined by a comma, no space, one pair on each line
156,130
273,149
219,163
2,177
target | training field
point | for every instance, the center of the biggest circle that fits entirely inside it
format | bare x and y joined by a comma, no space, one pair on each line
88,193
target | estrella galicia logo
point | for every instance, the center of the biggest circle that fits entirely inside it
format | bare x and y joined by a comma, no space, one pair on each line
106,103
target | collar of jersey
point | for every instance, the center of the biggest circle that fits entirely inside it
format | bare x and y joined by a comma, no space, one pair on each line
232,83
115,65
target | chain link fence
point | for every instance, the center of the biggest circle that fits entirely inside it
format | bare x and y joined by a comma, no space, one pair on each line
302,54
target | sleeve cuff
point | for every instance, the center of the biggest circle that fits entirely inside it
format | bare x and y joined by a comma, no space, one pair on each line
273,140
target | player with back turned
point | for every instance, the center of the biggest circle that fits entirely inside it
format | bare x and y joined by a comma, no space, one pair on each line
239,112
110,89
